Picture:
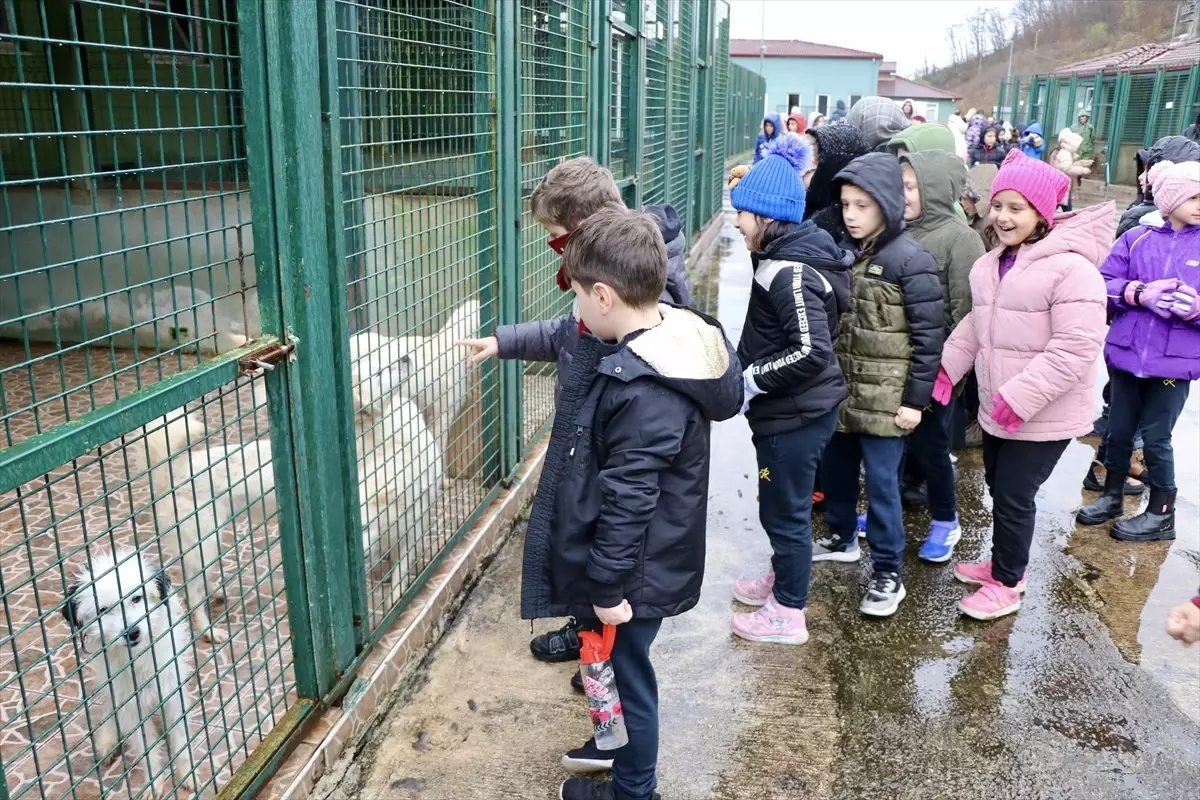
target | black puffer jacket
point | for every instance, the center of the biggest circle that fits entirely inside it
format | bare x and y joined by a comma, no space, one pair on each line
890,342
837,146
620,512
554,339
1168,148
801,286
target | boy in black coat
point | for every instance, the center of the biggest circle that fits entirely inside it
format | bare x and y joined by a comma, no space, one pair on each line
617,530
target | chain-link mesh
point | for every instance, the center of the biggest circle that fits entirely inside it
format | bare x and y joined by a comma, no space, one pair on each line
721,103
1173,107
680,108
419,189
655,29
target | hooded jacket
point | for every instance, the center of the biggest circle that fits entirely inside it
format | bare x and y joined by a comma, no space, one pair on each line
801,287
879,119
839,111
890,341
837,146
801,122
921,136
1033,141
1087,138
760,147
955,247
1034,336
621,507
555,339
1139,341
975,127
1168,148
982,154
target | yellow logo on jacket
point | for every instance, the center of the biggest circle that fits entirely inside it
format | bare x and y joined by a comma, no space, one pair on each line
764,474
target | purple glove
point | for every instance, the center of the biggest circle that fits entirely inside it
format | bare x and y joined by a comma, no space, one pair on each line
1186,303
943,387
1003,414
1147,295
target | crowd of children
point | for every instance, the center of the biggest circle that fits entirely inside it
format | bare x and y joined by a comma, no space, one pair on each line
887,282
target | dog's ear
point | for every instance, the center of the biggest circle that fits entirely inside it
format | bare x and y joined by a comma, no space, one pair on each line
163,583
70,609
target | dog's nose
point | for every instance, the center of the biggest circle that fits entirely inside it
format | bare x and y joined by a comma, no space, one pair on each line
133,636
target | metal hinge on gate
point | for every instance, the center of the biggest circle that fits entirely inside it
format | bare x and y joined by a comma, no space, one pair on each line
264,360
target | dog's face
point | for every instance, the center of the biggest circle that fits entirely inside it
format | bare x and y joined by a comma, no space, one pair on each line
378,368
117,601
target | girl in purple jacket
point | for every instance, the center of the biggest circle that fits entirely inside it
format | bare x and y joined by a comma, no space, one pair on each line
1152,349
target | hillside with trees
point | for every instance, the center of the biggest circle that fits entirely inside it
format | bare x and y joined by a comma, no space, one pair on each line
1045,34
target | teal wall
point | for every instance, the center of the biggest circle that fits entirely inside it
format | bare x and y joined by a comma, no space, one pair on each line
837,77
945,108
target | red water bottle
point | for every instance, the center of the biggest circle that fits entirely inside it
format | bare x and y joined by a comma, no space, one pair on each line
600,686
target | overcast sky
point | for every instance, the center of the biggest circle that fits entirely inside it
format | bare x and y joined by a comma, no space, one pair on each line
904,31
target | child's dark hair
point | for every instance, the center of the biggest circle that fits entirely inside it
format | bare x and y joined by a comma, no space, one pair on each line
771,231
622,249
1040,231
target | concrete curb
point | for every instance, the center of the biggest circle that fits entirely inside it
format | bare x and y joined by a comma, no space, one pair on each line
394,659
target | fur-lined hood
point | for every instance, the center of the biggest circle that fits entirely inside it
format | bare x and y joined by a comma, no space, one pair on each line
689,354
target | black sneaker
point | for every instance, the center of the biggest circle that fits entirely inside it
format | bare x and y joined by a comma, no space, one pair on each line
580,789
883,596
588,759
557,646
577,682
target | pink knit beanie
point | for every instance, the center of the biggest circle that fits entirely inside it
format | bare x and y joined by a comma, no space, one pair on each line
1038,182
1171,184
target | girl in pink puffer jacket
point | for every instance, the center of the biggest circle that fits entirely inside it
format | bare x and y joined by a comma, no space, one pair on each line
1033,336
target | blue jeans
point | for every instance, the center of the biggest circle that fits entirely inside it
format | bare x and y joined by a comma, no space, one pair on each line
787,468
927,456
885,518
634,772
1151,406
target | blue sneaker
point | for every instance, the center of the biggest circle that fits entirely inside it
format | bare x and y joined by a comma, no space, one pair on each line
939,544
861,526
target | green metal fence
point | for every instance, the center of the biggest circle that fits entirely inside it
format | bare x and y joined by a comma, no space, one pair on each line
238,241
1130,109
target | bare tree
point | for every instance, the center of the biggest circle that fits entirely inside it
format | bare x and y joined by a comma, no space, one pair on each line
997,29
958,50
977,33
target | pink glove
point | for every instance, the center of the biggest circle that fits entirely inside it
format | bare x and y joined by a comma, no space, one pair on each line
1003,414
1186,304
943,387
1150,295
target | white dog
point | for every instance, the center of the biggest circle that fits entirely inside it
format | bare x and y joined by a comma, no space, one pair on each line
197,490
133,631
441,380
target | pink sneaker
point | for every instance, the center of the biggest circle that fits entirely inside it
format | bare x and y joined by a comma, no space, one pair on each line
990,601
979,573
755,592
772,624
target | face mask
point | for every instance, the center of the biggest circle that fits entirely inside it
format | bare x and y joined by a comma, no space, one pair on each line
559,243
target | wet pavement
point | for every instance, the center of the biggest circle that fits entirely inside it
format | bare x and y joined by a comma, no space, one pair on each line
1079,695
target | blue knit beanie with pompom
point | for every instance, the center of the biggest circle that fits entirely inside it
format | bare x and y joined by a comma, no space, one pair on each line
773,187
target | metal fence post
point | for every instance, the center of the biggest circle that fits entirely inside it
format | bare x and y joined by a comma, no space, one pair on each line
508,198
1191,96
1155,103
288,63
1120,92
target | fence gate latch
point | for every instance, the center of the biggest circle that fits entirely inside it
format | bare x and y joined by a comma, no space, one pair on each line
264,360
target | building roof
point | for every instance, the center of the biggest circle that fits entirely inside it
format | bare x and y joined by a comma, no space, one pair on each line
902,88
1143,57
794,48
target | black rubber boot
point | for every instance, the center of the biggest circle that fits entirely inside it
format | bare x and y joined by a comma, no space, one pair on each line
1091,481
1156,523
1109,505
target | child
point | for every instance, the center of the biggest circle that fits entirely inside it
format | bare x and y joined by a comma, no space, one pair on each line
1033,142
1152,350
933,182
1033,334
796,123
989,151
617,530
834,147
888,349
878,119
793,382
770,126
567,195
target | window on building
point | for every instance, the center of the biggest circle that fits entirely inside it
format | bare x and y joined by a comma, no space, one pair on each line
931,112
793,102
823,103
176,25
1089,93
854,98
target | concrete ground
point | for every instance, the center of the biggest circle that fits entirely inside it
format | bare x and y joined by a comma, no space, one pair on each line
1080,695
